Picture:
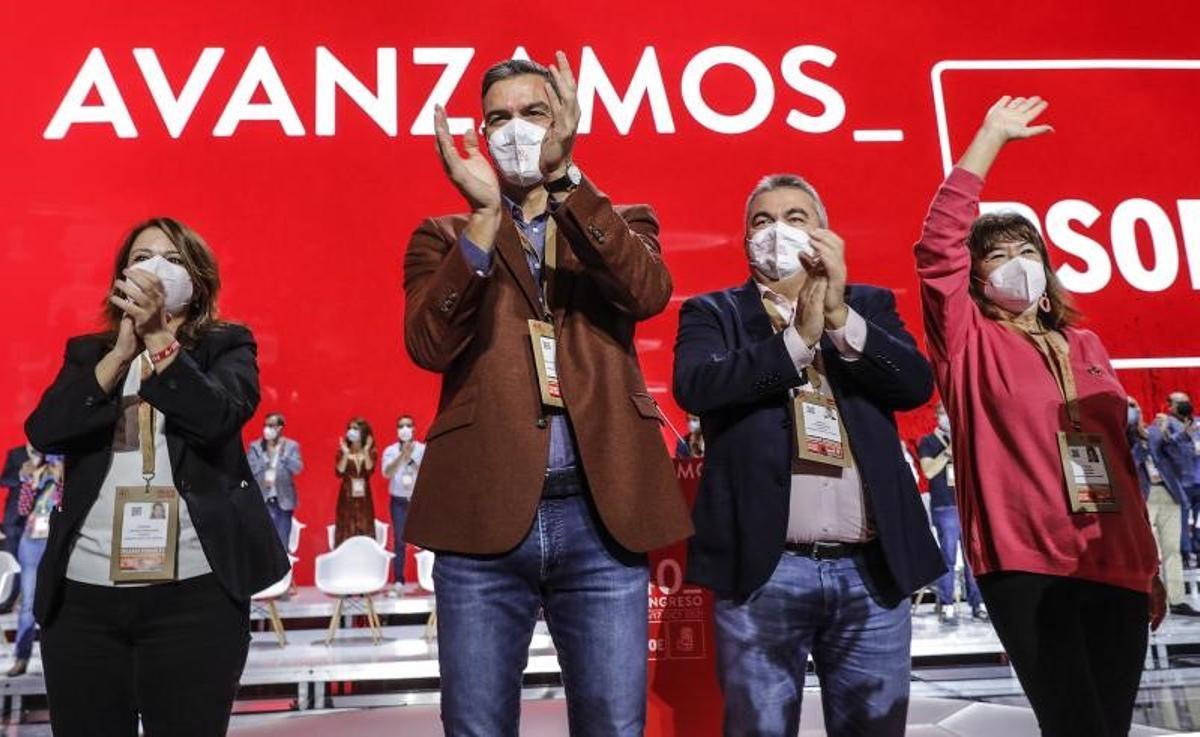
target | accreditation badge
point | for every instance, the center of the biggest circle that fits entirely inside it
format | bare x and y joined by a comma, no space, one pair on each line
545,360
145,534
950,474
41,527
1090,483
358,487
820,434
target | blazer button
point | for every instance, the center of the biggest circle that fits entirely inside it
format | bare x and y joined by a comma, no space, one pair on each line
89,402
171,384
541,423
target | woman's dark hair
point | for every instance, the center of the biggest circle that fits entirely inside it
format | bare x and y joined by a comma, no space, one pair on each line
364,427
1010,227
201,266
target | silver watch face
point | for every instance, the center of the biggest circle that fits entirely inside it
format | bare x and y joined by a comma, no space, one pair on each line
574,175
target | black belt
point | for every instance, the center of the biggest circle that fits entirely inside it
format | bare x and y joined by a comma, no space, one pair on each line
564,482
825,550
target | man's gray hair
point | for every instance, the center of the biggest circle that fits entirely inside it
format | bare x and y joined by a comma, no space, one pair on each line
772,182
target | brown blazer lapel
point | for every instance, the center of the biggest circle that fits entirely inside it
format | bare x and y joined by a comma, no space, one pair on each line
508,245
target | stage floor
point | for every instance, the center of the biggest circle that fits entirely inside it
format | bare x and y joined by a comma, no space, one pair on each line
953,666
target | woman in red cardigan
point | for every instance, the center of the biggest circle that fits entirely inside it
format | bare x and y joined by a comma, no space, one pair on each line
1053,522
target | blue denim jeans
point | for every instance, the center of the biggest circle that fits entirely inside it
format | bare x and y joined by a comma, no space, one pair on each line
593,594
29,555
1189,542
399,514
822,608
949,534
282,519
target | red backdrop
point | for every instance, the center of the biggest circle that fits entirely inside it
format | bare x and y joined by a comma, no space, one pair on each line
310,209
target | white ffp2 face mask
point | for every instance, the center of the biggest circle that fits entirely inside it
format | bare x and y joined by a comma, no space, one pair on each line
404,434
775,250
516,149
1016,285
353,435
177,283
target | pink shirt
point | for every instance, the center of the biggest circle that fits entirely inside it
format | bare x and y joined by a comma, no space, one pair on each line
1005,408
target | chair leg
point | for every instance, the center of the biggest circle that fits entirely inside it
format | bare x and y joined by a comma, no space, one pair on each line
333,621
376,629
277,623
431,627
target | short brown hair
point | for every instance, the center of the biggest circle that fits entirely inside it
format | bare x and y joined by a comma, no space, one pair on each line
201,266
1006,227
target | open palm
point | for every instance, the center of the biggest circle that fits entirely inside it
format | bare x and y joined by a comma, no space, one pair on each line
472,174
1011,117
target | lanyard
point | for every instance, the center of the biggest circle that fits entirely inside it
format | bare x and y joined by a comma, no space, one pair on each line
780,323
1055,349
146,427
547,264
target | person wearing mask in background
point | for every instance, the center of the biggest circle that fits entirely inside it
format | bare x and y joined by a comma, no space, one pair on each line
13,524
809,525
1061,547
41,490
692,444
937,463
1165,502
275,461
151,411
401,464
545,479
355,460
1173,432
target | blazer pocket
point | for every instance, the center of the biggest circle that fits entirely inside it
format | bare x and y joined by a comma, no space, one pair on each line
646,406
451,419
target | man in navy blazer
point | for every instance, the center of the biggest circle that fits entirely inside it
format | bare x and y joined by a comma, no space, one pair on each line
811,545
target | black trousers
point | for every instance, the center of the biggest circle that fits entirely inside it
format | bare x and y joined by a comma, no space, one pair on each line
172,653
1078,648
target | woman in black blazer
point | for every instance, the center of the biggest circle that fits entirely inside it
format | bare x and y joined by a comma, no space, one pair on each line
167,376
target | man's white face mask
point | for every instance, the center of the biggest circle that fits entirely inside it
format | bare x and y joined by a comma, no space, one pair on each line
177,283
775,250
516,149
1016,285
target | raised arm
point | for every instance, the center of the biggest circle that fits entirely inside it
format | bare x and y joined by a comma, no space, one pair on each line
943,260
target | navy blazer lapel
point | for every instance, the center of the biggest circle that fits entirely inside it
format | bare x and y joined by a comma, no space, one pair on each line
751,312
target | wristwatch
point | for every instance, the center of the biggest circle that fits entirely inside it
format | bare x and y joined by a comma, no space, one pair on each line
567,182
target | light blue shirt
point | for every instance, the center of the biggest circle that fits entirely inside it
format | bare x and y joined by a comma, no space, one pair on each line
562,438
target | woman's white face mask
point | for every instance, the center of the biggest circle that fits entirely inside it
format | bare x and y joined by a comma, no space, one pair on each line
177,283
516,149
1017,285
776,249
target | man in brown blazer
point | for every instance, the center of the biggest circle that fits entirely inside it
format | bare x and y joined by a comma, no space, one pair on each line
545,477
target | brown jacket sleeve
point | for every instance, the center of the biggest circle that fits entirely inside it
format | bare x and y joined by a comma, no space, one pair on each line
622,253
442,297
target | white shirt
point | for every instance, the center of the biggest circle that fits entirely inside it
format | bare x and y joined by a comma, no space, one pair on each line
827,503
91,554
401,485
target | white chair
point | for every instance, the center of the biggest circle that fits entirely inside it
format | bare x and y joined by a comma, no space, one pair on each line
9,568
264,601
424,559
352,572
381,533
294,536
